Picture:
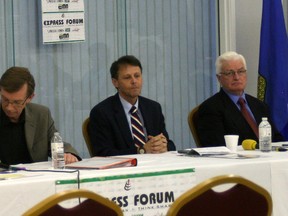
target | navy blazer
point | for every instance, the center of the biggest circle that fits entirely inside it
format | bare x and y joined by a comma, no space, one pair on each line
219,116
109,129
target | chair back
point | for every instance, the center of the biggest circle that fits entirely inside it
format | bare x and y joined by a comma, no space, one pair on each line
192,121
93,204
87,137
244,198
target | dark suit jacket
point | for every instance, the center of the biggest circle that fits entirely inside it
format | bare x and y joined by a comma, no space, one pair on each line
39,129
109,129
219,116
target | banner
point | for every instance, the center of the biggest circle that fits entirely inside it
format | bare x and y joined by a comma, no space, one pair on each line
63,21
142,194
273,64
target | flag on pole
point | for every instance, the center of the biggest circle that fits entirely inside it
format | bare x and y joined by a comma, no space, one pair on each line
273,64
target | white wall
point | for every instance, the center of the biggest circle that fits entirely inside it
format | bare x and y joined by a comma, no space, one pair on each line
248,23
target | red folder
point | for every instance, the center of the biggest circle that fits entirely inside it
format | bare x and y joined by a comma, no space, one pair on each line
103,163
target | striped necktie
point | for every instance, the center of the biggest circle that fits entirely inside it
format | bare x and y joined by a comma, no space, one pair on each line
137,128
248,116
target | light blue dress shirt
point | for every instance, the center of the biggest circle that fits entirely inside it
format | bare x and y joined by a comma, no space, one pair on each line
235,99
127,107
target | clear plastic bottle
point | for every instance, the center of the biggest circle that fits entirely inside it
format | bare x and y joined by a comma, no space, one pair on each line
57,151
265,135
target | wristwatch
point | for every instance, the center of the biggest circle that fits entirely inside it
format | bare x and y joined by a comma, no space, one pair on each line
141,150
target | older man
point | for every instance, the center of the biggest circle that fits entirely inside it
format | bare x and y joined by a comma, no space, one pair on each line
222,113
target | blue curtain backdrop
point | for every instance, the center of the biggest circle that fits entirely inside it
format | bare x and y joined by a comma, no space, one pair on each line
176,42
273,63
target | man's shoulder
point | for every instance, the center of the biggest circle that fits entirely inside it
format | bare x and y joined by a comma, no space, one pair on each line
217,102
254,101
36,107
147,101
36,111
250,97
216,98
149,106
107,103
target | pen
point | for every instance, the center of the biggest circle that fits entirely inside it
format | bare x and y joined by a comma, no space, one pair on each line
278,148
17,168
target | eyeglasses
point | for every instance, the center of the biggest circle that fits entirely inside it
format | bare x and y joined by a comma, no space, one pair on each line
14,103
232,73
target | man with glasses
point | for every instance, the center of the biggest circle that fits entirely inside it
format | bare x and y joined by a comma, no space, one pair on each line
25,128
223,113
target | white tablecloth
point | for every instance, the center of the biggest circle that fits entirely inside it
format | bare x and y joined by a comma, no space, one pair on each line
270,171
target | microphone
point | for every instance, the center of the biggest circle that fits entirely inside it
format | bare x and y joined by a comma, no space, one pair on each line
249,144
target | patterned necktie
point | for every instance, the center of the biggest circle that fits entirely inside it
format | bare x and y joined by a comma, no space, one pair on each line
248,116
137,128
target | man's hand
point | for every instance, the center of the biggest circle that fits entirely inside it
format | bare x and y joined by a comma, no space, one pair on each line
156,144
70,158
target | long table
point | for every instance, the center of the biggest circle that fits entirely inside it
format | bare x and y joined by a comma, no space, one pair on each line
149,188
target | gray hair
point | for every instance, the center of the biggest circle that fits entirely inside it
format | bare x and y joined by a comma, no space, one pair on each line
228,56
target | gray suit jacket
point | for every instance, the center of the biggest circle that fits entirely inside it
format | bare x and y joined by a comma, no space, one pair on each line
39,129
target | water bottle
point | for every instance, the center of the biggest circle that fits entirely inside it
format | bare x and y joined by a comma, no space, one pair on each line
265,135
57,151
